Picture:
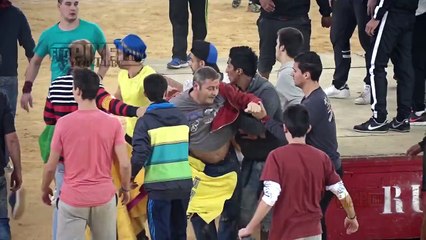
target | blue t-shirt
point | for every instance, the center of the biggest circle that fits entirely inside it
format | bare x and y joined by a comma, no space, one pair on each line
55,42
323,133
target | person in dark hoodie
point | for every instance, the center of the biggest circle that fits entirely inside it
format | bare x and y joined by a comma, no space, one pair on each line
160,145
277,14
255,142
19,30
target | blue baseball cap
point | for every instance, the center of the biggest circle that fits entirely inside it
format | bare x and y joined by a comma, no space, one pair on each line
132,45
205,51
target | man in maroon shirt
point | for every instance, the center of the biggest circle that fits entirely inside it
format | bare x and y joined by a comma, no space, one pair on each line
295,177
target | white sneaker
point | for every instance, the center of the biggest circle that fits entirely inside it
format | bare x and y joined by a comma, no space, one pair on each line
365,97
333,92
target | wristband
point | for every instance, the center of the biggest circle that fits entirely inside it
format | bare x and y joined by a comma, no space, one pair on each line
27,88
265,119
124,190
351,218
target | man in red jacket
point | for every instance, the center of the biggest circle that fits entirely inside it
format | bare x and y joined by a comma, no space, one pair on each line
211,108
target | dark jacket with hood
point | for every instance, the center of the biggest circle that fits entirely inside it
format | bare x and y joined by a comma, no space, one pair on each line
259,149
160,144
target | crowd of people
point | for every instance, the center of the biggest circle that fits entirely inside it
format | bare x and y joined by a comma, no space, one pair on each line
229,146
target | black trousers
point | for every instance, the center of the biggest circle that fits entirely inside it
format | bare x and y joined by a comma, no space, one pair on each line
393,38
179,15
268,29
419,62
325,201
347,14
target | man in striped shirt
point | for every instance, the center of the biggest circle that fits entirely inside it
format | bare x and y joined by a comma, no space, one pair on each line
60,102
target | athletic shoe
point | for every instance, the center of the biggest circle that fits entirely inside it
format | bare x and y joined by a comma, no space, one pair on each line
252,7
176,63
236,3
417,120
333,92
17,203
365,97
372,126
403,126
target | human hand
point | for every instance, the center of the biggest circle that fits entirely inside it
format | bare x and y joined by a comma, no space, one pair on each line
140,112
371,27
414,150
15,180
253,107
326,22
26,100
267,5
46,196
244,232
351,225
260,114
125,196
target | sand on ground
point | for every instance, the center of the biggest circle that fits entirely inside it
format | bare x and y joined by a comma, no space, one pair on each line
227,27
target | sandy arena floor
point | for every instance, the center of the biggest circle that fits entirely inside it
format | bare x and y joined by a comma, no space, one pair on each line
149,19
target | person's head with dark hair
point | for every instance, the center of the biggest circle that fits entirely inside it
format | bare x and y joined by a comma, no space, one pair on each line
155,87
242,65
289,43
82,53
307,69
203,53
86,84
68,10
205,85
296,122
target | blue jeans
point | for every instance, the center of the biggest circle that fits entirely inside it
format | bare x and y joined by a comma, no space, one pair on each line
4,220
252,187
229,218
59,179
9,86
167,218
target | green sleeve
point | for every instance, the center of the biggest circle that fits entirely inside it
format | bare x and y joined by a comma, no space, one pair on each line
100,40
42,48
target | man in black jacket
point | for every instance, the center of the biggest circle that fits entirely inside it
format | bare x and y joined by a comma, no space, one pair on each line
17,30
277,14
255,142
392,29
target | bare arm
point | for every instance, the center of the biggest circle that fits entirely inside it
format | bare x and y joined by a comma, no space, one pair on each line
30,76
12,143
49,175
260,213
174,84
105,63
125,169
33,68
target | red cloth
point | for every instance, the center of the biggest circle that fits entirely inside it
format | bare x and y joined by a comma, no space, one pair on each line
303,172
5,4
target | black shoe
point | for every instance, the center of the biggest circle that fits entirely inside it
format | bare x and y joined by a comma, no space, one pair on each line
372,126
403,126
